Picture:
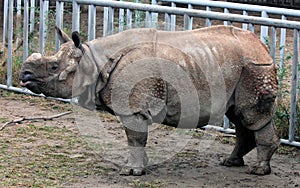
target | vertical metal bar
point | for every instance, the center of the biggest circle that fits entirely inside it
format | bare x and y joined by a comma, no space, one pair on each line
167,22
75,16
251,27
25,30
92,22
31,22
32,15
226,122
41,28
264,29
173,18
10,42
154,15
273,44
207,20
245,26
129,18
19,2
282,48
110,20
105,21
148,19
5,12
59,21
188,21
18,23
293,115
121,19
46,21
226,11
137,16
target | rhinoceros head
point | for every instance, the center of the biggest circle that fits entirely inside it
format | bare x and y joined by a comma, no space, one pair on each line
53,75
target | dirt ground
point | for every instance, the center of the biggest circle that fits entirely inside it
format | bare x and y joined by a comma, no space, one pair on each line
86,149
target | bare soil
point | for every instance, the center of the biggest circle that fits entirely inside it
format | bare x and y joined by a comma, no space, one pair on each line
59,153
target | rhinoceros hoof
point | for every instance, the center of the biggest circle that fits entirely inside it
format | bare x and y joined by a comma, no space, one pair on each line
233,162
135,171
259,170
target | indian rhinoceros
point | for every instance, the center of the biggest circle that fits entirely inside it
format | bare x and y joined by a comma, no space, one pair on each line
185,79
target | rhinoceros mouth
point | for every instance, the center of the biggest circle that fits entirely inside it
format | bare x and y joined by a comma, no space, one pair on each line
27,82
33,85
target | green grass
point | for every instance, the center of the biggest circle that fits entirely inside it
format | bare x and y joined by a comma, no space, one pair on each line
35,156
145,184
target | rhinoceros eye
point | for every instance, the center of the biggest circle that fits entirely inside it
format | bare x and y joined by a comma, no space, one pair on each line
53,67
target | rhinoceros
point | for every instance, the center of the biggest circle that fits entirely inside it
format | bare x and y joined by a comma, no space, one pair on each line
185,79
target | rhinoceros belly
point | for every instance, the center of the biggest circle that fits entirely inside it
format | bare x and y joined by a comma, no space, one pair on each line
186,88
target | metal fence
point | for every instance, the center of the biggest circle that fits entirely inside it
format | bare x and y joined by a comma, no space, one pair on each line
119,15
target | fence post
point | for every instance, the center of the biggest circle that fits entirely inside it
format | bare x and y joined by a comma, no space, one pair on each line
154,15
44,5
5,11
25,31
188,21
105,21
207,20
294,87
264,29
173,18
137,16
129,18
167,22
226,11
121,19
92,22
18,24
110,20
245,26
273,44
282,48
59,21
10,41
31,22
75,16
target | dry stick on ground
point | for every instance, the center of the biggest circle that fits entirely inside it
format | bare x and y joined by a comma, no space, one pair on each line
45,118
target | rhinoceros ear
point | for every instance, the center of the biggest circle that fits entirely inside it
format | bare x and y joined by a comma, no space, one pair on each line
63,37
76,38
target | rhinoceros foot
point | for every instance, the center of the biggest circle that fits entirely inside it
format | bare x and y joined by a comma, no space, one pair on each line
136,162
233,162
135,171
261,168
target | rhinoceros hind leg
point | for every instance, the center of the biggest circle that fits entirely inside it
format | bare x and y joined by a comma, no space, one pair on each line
267,142
245,142
136,128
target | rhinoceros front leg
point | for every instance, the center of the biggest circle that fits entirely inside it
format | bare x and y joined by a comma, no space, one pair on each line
136,128
267,142
245,141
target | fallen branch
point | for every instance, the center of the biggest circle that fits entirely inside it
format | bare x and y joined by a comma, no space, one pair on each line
45,118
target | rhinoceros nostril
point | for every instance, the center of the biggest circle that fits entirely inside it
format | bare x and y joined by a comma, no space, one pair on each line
26,76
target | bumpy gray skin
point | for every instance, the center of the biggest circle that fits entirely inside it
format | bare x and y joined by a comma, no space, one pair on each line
229,69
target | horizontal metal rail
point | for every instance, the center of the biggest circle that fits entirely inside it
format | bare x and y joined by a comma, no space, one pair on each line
26,91
232,131
194,13
239,6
